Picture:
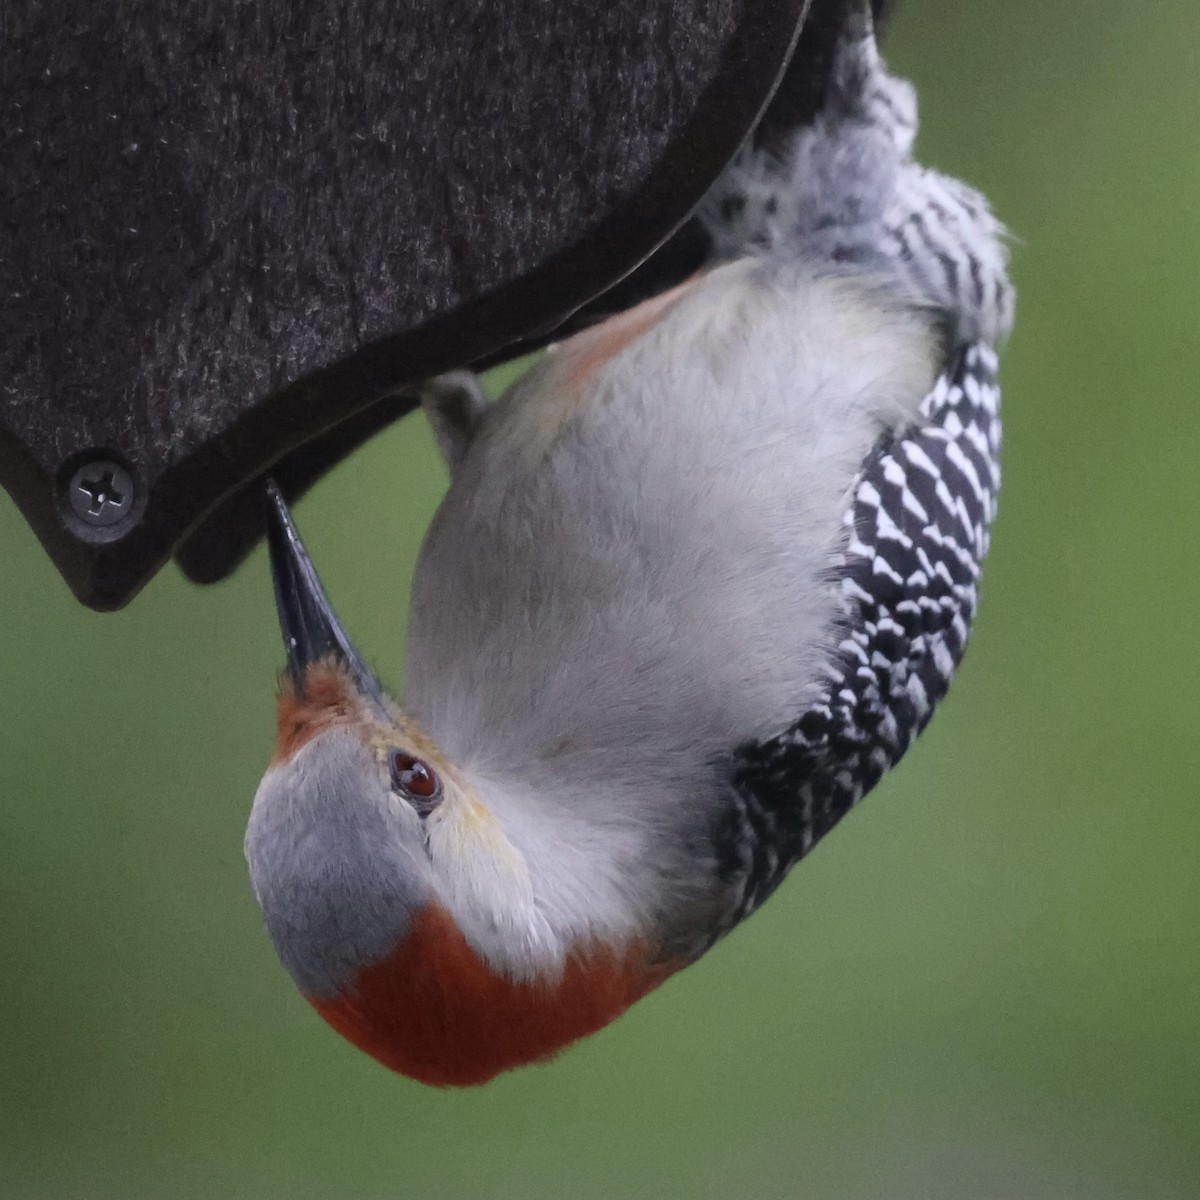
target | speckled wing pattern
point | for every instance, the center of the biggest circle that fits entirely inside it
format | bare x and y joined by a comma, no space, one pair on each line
846,191
907,580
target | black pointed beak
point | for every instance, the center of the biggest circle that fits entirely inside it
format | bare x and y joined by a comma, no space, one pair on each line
310,628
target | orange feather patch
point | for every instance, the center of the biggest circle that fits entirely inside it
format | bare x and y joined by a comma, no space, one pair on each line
329,698
586,352
433,1010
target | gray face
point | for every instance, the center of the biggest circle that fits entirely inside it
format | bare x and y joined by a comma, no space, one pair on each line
337,862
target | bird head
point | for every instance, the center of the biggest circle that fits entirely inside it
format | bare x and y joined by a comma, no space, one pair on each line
390,888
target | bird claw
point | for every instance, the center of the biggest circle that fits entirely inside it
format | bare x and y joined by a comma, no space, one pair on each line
455,404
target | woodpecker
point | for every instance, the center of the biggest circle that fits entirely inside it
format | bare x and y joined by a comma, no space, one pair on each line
699,579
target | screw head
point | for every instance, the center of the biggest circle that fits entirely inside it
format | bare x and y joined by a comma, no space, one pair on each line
101,492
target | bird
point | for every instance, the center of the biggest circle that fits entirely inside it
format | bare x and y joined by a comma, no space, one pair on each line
699,578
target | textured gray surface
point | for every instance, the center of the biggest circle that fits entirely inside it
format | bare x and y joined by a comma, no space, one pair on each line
228,533
205,206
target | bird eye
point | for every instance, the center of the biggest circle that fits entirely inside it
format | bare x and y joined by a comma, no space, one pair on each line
415,781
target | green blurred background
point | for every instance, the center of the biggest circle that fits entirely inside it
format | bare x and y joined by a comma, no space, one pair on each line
986,984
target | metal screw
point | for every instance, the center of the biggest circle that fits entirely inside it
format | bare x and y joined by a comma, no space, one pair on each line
101,493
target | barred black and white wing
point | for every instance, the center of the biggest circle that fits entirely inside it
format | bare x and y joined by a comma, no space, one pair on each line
907,580
846,192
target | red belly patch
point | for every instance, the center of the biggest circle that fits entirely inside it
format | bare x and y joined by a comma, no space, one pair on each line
433,1010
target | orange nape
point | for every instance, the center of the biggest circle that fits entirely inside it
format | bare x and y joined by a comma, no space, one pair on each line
433,1010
